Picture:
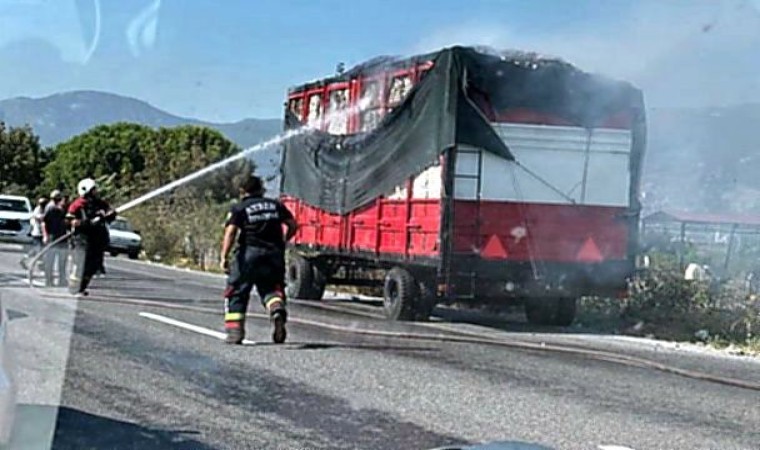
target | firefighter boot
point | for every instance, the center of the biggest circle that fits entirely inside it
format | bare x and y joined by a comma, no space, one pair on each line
235,332
279,315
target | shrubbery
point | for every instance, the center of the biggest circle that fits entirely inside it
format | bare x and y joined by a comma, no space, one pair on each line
664,305
129,160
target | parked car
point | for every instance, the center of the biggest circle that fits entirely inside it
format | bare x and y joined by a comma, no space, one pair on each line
15,219
124,239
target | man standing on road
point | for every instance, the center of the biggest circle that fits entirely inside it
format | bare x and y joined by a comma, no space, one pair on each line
88,215
259,259
53,228
36,232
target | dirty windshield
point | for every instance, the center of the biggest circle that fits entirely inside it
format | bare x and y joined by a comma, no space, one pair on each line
381,224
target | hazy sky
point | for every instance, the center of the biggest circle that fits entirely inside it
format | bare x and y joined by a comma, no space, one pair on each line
225,60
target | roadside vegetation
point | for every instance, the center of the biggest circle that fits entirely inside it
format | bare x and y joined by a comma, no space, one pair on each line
182,227
22,159
662,304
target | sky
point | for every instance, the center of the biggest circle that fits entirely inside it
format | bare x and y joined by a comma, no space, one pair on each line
225,60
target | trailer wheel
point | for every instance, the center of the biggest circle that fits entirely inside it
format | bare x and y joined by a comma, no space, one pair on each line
551,311
319,282
400,294
425,302
300,280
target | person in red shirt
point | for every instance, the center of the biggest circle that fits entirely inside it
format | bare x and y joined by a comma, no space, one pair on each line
88,215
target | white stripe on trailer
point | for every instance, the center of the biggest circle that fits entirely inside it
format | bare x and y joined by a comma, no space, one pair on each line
557,165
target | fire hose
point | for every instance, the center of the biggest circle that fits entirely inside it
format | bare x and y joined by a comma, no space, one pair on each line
457,338
33,263
599,355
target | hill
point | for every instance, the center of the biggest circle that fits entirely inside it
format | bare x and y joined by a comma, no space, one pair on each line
59,117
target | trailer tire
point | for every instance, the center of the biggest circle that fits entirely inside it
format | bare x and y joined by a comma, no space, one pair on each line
551,311
319,282
425,302
400,294
300,281
565,312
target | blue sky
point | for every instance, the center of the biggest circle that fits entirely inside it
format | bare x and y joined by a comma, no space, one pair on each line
225,60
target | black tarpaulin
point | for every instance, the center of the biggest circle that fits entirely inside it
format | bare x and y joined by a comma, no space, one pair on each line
342,173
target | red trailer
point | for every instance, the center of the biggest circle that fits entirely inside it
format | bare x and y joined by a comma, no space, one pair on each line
465,175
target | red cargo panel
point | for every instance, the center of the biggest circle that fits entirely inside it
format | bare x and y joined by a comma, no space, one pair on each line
542,232
424,227
366,232
315,227
393,227
363,232
332,229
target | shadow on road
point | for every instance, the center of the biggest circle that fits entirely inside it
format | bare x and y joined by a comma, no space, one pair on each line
333,345
75,429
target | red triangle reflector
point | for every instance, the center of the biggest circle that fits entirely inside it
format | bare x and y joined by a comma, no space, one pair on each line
589,252
494,248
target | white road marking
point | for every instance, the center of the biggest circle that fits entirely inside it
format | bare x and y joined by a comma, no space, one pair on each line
613,447
189,327
25,281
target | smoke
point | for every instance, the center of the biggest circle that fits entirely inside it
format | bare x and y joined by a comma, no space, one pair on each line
696,62
699,53
247,153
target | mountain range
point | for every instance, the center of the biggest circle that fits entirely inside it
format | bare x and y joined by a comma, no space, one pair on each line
59,117
700,159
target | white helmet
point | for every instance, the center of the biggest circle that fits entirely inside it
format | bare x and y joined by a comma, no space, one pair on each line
85,186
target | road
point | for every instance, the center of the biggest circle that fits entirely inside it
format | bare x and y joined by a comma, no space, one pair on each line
109,372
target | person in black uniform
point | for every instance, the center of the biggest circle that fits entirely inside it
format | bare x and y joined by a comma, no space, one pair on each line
259,259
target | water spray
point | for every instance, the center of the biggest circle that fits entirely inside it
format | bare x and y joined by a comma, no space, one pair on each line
276,140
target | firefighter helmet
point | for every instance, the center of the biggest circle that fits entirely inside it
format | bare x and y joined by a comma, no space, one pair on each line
86,186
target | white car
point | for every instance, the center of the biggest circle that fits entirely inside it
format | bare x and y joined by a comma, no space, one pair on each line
15,219
124,239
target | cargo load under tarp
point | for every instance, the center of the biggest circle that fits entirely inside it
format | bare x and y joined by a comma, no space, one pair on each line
340,173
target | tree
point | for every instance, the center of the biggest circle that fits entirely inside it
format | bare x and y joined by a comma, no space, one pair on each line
182,150
22,160
103,151
130,160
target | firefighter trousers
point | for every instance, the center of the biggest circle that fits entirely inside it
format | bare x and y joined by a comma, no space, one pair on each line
254,267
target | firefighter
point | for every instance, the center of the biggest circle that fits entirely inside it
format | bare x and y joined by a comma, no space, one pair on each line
259,259
88,215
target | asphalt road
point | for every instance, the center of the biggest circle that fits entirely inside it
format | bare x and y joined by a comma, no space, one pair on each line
101,374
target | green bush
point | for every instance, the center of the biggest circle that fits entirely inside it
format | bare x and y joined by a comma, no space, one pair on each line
669,306
129,160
